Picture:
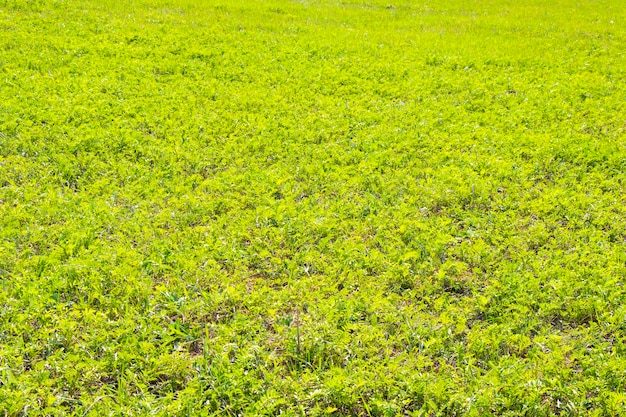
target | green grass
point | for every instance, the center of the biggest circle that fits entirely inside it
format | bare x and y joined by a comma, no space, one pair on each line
362,207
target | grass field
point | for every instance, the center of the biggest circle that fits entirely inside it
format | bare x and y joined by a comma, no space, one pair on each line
358,207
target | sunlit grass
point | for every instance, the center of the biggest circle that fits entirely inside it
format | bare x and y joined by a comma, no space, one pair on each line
312,208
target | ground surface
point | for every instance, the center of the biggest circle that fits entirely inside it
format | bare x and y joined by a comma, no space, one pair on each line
366,207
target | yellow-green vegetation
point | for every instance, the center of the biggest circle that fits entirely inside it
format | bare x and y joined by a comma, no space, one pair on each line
358,207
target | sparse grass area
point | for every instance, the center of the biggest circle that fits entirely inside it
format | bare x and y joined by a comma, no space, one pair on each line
405,208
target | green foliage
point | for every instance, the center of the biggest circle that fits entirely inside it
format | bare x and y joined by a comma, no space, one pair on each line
312,208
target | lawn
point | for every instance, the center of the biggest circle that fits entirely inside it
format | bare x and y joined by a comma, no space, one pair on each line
358,207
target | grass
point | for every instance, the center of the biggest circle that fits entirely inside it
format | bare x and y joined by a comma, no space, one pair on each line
312,208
